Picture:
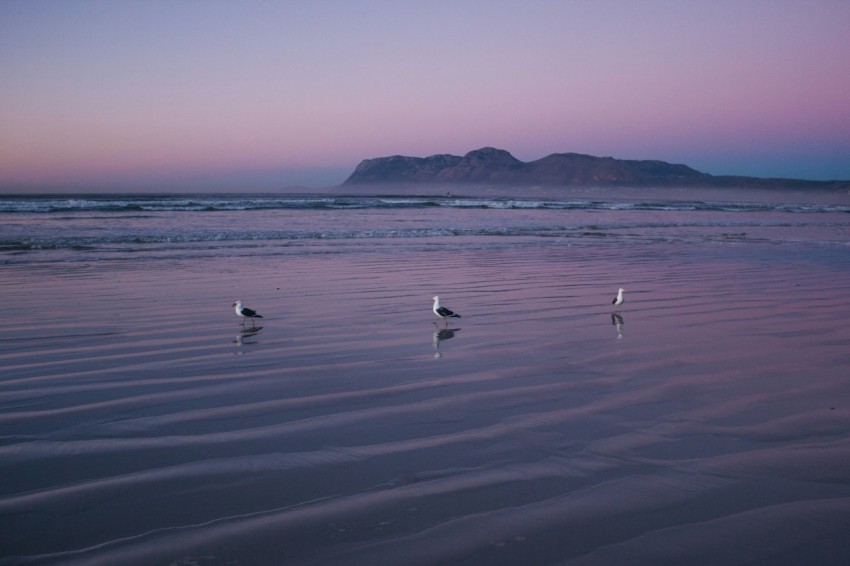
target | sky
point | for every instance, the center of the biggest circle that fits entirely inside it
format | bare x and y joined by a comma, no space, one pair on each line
249,94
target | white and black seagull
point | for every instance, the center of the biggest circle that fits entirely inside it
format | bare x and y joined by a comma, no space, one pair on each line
618,300
443,312
245,312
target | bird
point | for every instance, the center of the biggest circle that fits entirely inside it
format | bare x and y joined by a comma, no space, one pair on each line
443,312
245,312
618,300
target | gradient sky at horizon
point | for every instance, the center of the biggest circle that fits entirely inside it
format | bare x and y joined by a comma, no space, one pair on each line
263,94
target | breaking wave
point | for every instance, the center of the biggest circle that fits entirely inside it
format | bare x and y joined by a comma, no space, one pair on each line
211,203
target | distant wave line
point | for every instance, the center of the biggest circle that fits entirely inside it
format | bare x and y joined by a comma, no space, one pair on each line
107,204
87,243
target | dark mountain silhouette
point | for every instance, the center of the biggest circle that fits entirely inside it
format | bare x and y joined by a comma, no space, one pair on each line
496,166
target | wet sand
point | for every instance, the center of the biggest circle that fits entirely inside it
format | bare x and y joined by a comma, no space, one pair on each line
706,421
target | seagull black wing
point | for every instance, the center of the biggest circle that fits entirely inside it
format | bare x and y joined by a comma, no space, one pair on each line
251,313
443,311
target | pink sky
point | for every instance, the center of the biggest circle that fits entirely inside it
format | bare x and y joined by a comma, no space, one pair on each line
262,94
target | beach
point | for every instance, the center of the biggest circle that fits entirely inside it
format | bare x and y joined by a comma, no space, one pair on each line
704,421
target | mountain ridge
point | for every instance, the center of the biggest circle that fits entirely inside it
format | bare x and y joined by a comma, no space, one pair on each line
489,165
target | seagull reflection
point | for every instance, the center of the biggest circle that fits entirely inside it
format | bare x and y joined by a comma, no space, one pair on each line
617,320
245,337
439,336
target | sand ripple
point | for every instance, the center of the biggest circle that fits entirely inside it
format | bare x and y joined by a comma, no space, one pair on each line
706,425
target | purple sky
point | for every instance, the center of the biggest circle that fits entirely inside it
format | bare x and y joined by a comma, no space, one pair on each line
247,94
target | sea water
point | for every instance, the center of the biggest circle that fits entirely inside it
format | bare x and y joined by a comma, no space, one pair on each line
39,229
704,421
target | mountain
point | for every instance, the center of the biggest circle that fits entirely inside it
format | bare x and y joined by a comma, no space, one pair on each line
496,166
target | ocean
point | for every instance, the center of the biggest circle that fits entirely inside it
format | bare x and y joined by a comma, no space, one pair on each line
99,227
704,421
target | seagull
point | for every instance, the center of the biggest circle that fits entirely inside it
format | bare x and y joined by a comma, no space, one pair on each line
618,300
443,312
245,312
